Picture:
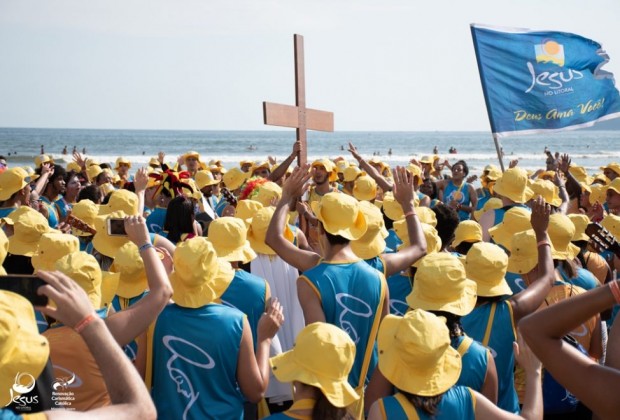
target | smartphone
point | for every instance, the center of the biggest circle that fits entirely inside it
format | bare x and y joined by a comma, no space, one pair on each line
25,286
116,227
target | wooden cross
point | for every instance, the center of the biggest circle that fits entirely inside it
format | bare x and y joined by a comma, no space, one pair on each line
298,116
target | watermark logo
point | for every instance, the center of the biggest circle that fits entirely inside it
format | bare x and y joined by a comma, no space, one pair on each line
24,383
62,394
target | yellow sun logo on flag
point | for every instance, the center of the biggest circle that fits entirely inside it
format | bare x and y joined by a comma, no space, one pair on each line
550,51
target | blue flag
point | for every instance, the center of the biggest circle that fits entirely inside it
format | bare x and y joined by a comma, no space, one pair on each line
543,81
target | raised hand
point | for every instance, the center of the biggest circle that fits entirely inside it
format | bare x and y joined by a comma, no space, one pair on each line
135,226
513,163
564,163
141,180
296,184
403,186
540,215
353,150
161,156
271,320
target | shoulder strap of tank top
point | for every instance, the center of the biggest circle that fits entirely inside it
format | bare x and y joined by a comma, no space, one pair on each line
407,407
487,333
465,345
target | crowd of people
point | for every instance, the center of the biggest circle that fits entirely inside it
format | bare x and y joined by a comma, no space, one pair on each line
336,289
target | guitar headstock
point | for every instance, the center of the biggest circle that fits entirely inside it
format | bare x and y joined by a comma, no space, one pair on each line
229,197
79,224
601,239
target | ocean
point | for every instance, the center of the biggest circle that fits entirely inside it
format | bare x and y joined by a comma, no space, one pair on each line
588,148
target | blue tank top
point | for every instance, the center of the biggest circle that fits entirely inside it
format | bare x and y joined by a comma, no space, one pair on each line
246,292
584,279
456,403
352,296
52,212
377,263
63,207
503,333
5,211
515,282
475,362
392,241
450,193
119,304
499,213
399,286
156,220
195,375
485,195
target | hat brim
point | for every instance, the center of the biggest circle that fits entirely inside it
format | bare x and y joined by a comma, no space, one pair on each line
351,233
522,265
244,253
17,246
523,197
131,285
369,249
434,381
499,289
286,369
204,293
569,253
500,235
464,305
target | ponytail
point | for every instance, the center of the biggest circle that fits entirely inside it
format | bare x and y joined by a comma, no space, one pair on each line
325,410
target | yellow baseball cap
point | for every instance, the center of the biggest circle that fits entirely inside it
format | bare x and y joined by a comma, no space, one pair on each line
120,160
514,185
561,231
340,215
246,209
322,357
517,219
524,255
581,222
415,354
258,231
548,190
121,200
52,247
13,180
235,178
372,243
467,231
204,179
86,211
102,241
365,188
28,227
84,269
130,266
441,284
486,264
351,173
229,238
491,204
199,277
24,351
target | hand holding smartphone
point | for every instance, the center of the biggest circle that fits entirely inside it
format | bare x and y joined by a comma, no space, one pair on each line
26,286
116,226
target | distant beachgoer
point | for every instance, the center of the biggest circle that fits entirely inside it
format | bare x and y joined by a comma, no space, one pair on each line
74,150
42,150
341,147
83,150
390,152
64,150
435,150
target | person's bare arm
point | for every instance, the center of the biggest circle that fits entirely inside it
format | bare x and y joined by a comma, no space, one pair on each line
291,190
381,181
280,171
126,325
47,170
403,193
529,300
310,302
486,222
543,331
489,387
129,396
253,370
378,387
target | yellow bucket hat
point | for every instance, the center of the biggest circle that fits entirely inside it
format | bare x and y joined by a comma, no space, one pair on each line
192,153
28,227
154,162
548,190
4,250
229,238
415,353
427,215
491,204
614,166
246,209
92,162
129,264
415,170
120,160
611,222
258,231
74,166
581,222
84,269
351,173
235,178
329,167
267,192
106,189
546,175
204,179
597,193
600,179
524,255
372,243
52,247
441,284
486,264
433,241
104,243
86,211
41,159
514,185
365,188
341,165
199,277
467,231
340,215
517,219
13,180
580,174
615,185
109,285
92,172
121,200
392,208
561,231
24,351
322,357
427,159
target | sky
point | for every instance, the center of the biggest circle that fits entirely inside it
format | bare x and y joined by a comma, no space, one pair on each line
382,65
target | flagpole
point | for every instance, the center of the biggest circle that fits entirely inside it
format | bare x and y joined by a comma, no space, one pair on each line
498,148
